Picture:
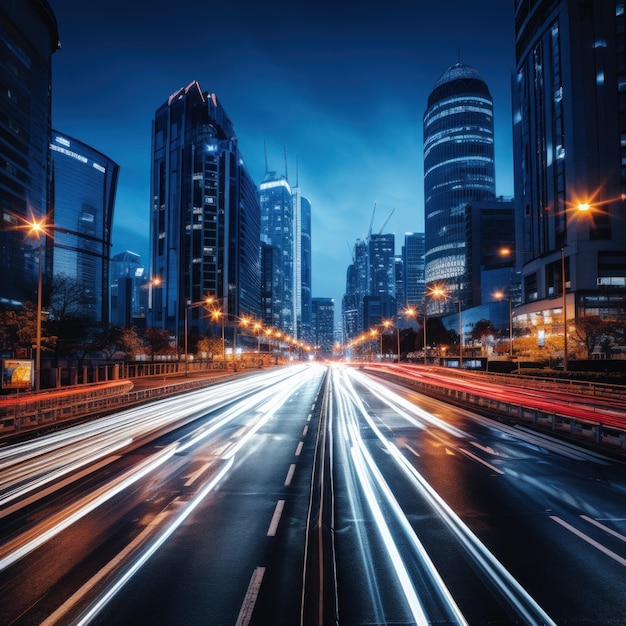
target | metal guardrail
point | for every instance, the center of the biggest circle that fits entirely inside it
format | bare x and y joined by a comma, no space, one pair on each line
49,409
590,430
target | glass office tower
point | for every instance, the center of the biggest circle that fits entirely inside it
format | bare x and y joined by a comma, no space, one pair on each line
205,218
458,168
413,260
84,187
569,110
277,229
28,38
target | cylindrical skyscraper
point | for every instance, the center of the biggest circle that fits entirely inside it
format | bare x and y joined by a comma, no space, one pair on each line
458,169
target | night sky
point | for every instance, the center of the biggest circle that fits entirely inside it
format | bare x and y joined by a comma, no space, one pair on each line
339,86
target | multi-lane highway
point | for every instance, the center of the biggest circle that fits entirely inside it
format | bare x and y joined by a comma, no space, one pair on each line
309,495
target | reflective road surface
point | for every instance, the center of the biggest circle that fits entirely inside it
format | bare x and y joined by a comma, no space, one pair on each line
309,495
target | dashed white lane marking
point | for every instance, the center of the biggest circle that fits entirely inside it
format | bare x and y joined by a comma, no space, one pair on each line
606,529
305,431
589,540
245,614
415,452
278,511
299,448
292,469
493,468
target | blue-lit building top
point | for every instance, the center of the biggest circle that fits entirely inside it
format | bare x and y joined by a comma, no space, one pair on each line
28,38
458,169
84,184
205,217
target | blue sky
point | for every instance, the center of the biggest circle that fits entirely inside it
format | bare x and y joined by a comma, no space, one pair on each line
341,87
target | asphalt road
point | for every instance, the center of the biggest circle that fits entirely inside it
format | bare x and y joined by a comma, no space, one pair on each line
428,514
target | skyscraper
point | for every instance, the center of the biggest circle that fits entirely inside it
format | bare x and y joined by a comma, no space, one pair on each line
413,258
205,217
458,169
569,110
277,230
323,318
28,38
303,256
84,188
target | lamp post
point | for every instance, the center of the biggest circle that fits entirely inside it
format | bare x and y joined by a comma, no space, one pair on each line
387,324
188,306
411,312
38,229
499,295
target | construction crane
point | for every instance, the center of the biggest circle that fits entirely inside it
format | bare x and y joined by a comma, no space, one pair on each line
380,232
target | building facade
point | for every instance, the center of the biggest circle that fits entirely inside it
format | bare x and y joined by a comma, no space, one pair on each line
28,38
205,217
569,115
84,185
277,229
129,290
413,257
323,319
458,169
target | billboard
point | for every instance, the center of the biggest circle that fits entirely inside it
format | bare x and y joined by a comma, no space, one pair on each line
17,373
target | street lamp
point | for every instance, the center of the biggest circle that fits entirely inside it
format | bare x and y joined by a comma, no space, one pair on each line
387,324
439,292
188,306
411,312
499,295
37,229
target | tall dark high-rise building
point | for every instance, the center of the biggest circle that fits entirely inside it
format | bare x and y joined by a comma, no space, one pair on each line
205,216
458,169
323,321
304,264
28,38
129,289
84,188
277,229
414,263
569,114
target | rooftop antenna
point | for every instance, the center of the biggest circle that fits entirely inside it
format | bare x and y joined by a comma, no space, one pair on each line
285,155
265,151
297,172
369,232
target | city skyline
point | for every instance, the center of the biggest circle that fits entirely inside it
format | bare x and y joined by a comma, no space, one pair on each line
341,92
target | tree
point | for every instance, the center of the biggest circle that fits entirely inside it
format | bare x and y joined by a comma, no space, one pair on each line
18,329
593,331
483,329
210,345
158,340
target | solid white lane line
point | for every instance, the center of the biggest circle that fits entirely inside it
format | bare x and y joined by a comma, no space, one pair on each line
245,614
477,458
278,511
606,529
192,479
589,540
299,448
292,469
